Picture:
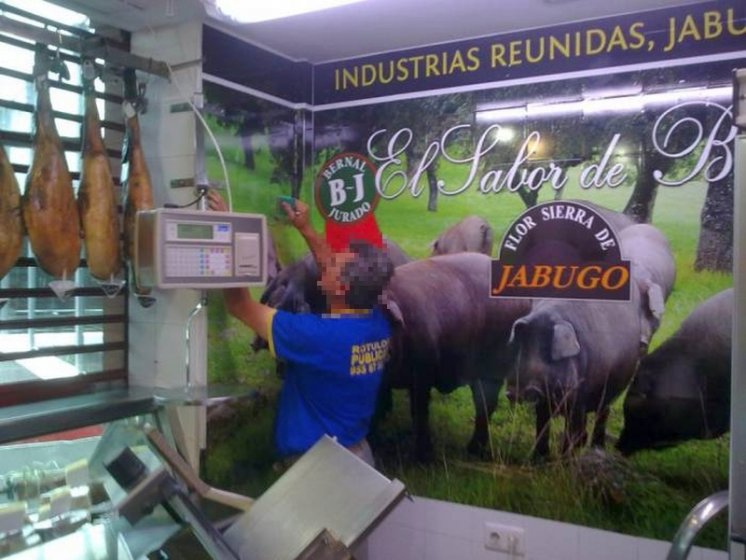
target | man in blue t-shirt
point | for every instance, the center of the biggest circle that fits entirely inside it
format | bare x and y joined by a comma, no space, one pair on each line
334,362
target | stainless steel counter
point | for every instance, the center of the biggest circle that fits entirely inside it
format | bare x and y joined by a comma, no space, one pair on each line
45,417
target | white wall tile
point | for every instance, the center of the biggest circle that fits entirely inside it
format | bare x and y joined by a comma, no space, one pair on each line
710,554
547,540
614,546
438,545
410,513
425,529
394,541
448,519
649,549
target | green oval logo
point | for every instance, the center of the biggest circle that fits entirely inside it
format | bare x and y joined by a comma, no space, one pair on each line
346,188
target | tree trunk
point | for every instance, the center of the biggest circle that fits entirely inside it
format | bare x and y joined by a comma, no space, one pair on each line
249,126
247,145
530,197
296,179
432,190
642,201
715,246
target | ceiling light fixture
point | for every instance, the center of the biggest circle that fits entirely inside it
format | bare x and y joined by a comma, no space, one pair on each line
595,106
257,10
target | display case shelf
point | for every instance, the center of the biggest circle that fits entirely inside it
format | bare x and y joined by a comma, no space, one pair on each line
41,418
56,492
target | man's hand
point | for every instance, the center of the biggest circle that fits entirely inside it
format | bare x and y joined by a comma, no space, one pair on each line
216,202
299,214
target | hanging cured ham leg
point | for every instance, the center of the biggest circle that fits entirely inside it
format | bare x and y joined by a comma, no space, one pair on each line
139,187
97,199
50,212
11,226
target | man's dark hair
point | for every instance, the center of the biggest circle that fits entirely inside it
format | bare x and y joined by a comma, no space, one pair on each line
366,274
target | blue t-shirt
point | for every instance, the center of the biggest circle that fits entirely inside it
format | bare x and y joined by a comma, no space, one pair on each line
333,370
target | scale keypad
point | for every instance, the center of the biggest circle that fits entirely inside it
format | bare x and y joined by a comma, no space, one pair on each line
187,261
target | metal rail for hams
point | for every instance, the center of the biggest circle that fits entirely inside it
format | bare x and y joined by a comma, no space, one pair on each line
86,44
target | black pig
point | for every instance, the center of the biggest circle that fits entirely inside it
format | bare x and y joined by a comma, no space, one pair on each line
471,234
448,332
574,358
682,389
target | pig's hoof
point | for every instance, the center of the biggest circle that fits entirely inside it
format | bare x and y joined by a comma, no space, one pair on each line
540,457
479,449
424,456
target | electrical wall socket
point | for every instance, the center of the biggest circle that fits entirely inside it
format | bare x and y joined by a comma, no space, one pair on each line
504,538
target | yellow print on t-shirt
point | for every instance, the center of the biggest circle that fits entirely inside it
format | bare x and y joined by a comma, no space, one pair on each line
369,357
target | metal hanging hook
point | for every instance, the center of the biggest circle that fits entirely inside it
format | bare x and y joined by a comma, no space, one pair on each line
58,65
88,70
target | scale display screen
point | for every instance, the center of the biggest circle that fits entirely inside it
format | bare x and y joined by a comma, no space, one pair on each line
184,229
194,231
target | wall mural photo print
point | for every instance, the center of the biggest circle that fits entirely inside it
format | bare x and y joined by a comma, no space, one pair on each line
600,408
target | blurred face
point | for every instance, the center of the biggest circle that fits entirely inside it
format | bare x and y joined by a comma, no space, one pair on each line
330,281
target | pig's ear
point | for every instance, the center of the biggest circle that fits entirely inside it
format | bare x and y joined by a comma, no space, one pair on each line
653,308
656,300
487,239
392,308
564,341
517,328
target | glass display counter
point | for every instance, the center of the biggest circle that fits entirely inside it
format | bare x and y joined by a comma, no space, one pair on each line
119,490
57,497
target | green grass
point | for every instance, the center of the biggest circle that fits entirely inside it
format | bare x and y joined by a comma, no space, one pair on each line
647,495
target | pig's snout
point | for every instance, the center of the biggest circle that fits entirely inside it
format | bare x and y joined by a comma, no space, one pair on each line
531,394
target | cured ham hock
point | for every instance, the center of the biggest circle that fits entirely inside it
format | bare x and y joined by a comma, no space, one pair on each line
97,201
11,226
50,212
139,187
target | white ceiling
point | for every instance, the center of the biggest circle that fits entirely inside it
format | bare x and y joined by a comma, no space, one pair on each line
369,27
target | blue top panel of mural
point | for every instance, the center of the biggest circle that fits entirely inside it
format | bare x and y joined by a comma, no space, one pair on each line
702,32
642,39
229,58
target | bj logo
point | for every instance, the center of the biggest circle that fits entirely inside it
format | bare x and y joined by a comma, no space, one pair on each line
346,188
561,250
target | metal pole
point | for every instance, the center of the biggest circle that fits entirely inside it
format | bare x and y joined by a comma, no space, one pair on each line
201,304
698,517
737,520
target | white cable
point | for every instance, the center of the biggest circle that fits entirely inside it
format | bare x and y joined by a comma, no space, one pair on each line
209,133
201,119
